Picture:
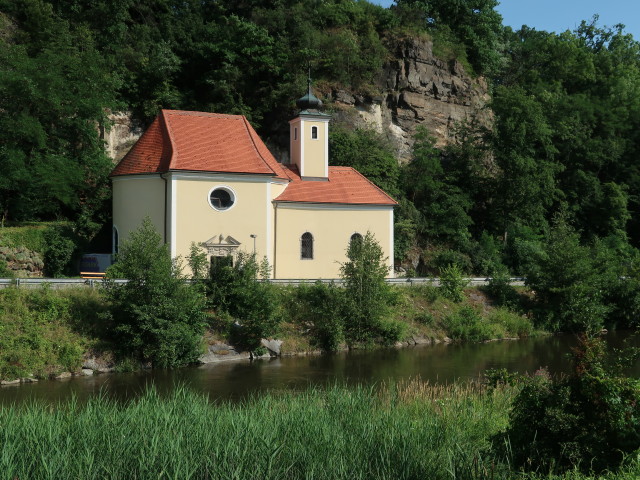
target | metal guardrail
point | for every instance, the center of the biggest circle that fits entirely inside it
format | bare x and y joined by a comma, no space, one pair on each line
58,283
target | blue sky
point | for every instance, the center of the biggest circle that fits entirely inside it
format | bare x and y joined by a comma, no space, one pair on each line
560,15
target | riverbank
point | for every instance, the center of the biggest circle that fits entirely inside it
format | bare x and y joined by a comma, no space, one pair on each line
404,430
48,333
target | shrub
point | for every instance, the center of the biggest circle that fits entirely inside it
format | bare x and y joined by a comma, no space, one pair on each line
424,318
588,420
389,331
568,283
58,252
499,287
155,316
237,291
4,270
514,324
322,310
467,324
452,283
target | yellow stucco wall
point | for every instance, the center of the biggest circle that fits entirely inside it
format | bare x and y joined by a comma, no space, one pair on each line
315,150
190,217
331,229
134,198
196,221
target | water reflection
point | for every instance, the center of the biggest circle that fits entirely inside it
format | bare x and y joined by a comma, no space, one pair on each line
234,381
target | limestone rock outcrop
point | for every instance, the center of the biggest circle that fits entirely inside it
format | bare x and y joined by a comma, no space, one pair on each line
417,88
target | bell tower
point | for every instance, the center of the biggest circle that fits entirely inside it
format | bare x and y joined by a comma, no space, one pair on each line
309,138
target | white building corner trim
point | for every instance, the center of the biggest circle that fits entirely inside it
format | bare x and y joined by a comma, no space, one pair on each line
173,193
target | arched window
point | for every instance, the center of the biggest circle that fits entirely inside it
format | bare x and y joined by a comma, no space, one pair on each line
306,246
314,133
356,237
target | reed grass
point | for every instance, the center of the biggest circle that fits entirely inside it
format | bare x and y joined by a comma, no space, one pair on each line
409,430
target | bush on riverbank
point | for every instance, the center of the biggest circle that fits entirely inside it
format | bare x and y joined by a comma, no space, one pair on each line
44,332
245,307
155,317
587,421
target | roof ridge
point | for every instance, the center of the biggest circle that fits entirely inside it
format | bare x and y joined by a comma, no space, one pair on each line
194,113
253,142
172,145
249,128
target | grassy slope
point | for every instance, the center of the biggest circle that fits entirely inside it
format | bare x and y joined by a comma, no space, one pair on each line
44,332
429,315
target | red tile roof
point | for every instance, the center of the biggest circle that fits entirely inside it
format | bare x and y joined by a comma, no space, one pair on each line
210,142
201,142
345,185
150,154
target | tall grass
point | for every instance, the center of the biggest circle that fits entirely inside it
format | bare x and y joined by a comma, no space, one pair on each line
403,431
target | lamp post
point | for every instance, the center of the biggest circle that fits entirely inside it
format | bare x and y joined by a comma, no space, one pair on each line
253,235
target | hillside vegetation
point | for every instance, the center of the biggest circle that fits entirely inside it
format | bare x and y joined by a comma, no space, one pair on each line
553,181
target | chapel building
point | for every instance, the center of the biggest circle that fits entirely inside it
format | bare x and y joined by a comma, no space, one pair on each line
208,178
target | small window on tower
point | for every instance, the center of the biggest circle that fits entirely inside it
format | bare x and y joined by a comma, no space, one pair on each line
314,133
295,134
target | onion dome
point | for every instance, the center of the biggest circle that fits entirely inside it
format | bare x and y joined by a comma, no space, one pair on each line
309,101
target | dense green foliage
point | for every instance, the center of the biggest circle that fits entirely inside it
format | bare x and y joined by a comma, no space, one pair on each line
587,421
367,295
563,140
40,333
155,316
234,289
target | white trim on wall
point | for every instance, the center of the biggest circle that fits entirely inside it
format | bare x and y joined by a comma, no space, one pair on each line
222,177
391,242
326,149
302,152
269,229
173,194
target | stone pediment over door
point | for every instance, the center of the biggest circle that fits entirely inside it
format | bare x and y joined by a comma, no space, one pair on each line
221,246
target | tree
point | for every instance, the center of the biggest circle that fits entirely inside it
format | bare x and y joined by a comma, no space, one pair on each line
156,316
367,295
55,89
233,288
367,152
432,189
568,283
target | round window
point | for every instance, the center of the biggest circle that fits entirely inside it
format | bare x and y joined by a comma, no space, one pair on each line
221,198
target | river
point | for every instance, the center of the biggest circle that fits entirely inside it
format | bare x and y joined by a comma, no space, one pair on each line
237,380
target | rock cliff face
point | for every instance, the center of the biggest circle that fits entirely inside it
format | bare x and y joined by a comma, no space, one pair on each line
416,89
121,135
